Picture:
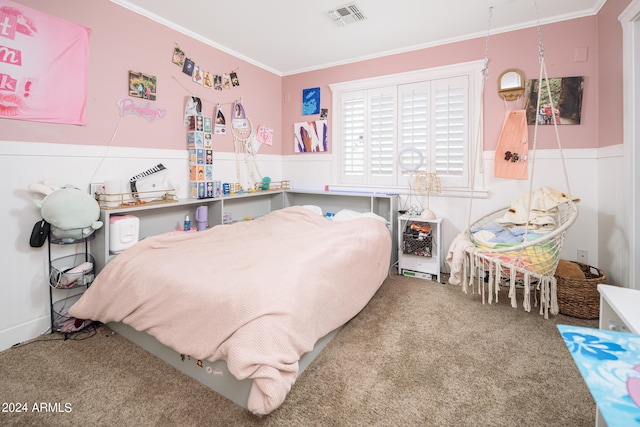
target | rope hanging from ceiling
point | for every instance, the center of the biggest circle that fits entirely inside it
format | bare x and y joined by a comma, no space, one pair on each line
533,262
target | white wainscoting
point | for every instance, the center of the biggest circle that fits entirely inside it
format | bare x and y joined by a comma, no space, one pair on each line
24,298
600,226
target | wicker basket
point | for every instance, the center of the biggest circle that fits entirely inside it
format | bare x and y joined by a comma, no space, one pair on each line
415,244
580,297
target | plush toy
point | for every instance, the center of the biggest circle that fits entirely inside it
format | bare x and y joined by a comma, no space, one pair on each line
72,213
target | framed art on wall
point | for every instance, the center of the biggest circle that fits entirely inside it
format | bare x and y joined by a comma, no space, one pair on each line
310,137
566,97
311,101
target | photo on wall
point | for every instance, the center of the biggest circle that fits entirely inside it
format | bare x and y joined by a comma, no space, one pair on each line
220,123
198,75
178,57
142,85
566,97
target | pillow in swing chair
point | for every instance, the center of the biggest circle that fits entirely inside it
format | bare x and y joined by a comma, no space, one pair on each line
538,208
569,270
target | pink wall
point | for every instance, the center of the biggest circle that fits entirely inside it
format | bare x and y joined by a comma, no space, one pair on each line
137,43
121,41
517,49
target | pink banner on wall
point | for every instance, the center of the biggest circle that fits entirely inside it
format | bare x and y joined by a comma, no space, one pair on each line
43,66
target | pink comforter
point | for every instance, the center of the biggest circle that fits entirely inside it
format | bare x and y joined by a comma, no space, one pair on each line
256,294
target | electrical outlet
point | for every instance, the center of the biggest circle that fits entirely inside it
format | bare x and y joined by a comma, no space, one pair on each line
583,256
96,188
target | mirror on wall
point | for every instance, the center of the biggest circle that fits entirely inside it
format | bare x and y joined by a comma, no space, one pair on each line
511,84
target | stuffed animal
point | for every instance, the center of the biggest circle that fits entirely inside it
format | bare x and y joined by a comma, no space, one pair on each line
72,213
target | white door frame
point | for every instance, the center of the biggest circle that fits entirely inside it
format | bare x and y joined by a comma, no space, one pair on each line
630,20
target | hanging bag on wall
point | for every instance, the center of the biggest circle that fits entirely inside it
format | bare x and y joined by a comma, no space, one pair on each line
512,150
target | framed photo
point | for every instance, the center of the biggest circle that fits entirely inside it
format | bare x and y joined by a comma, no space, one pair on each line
142,85
566,97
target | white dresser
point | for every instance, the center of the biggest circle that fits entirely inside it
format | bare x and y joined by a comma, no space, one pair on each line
619,309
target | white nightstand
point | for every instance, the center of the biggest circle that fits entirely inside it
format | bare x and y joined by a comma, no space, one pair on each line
419,255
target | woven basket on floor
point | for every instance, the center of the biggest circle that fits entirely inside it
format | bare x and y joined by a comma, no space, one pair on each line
580,297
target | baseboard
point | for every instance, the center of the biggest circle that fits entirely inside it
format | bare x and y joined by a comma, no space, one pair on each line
25,331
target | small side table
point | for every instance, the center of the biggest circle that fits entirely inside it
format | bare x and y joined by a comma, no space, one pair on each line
423,262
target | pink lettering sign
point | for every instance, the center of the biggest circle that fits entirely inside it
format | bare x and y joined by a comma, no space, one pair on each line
140,108
10,56
8,22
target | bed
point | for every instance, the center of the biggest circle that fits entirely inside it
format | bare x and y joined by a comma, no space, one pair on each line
247,300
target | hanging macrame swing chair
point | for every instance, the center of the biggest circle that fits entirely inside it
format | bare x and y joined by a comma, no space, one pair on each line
531,264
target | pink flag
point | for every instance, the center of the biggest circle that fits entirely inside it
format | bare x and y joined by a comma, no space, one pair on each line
43,66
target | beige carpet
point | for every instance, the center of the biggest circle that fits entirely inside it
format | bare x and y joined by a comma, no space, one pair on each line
421,353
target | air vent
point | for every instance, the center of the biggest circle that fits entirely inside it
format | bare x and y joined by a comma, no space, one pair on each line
347,14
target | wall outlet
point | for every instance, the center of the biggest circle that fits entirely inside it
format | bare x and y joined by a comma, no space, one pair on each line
96,188
583,256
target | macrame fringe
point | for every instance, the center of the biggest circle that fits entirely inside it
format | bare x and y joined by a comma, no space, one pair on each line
483,275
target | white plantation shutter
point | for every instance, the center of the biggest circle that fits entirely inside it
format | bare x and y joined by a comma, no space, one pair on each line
353,133
427,110
414,121
368,121
382,130
450,131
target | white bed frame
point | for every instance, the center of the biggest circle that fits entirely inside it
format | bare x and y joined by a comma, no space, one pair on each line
214,375
154,219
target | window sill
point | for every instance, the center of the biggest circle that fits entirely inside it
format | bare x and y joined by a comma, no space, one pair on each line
404,191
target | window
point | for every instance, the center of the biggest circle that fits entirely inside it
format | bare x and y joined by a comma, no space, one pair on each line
434,111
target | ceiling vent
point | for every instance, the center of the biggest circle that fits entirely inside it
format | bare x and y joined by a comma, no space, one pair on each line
347,14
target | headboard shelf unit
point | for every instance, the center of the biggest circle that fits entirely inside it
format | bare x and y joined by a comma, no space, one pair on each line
154,219
383,204
250,205
165,217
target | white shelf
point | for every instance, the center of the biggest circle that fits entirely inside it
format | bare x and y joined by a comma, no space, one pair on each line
165,217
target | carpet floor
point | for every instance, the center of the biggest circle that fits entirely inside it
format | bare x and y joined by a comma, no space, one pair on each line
420,353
